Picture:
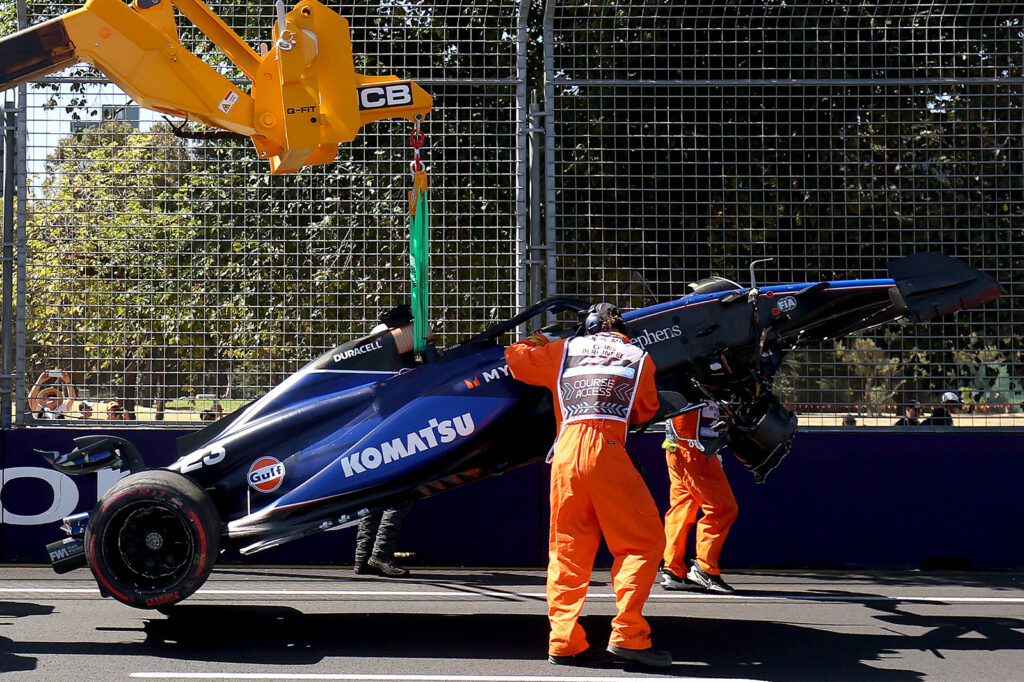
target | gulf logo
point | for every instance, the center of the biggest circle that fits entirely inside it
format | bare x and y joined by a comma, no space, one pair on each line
266,474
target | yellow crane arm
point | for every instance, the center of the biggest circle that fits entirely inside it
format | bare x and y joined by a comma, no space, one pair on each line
305,97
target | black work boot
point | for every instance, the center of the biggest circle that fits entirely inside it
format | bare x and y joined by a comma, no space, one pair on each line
387,568
649,658
588,658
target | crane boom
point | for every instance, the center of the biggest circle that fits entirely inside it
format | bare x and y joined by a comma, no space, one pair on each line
35,52
305,95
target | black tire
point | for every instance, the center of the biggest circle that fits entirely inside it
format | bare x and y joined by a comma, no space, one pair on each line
153,539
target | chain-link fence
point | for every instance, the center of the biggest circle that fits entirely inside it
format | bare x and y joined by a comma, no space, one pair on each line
165,276
673,140
692,138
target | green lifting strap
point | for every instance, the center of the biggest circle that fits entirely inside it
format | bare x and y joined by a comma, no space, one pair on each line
419,261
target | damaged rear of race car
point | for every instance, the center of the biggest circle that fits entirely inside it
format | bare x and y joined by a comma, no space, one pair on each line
368,425
725,343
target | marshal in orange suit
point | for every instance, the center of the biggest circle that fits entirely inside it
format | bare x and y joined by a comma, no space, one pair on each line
601,383
697,483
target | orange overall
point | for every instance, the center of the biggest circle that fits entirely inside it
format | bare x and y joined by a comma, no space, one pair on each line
697,481
595,489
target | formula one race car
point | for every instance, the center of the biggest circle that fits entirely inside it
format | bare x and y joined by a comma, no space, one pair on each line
368,425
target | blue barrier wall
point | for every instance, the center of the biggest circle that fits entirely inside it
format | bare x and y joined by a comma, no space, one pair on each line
842,499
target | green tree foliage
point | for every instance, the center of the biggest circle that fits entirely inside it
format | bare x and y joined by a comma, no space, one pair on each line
251,274
146,250
690,138
872,370
362,196
695,137
99,247
8,17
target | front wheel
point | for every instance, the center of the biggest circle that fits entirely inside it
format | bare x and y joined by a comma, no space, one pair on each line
153,539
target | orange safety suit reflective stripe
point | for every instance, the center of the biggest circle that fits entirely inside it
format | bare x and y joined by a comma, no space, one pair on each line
595,489
696,481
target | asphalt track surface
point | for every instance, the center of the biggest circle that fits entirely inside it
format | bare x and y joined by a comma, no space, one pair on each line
488,625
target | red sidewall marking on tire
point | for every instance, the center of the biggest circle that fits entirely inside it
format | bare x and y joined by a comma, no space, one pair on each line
112,500
157,493
103,579
202,542
153,602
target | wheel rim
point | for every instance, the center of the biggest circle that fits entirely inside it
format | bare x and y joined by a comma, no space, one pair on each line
152,543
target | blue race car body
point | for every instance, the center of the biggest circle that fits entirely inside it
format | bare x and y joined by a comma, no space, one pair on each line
368,425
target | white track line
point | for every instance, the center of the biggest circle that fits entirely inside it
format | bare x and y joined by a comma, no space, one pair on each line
692,596
55,590
400,678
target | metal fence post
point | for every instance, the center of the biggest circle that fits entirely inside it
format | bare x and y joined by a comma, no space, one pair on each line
7,290
538,247
21,177
523,158
550,142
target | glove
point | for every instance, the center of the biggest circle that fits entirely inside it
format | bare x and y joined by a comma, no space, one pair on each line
537,339
669,445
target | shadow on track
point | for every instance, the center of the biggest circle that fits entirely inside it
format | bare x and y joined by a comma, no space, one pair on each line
702,647
278,635
9,660
999,580
483,577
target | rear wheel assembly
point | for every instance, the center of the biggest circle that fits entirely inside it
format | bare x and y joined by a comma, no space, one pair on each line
153,539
